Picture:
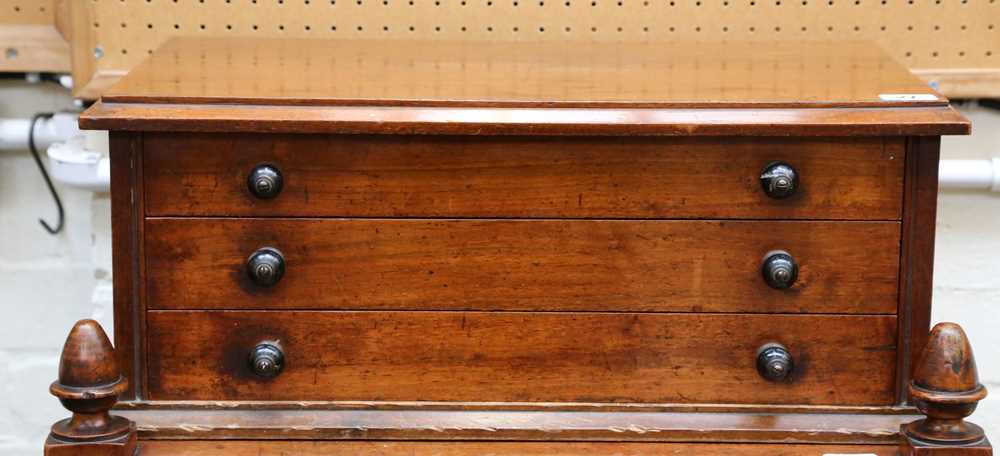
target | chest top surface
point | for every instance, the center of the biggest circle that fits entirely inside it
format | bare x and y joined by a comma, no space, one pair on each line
440,87
597,75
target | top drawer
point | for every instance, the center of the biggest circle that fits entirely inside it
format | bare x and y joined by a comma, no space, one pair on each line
439,176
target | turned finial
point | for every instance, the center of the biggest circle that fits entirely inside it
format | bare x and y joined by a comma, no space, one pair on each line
89,384
945,387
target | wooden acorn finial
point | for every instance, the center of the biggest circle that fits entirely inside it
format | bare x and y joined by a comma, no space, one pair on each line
89,384
946,388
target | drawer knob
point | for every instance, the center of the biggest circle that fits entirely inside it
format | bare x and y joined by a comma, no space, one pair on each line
266,266
779,269
779,180
774,363
266,360
265,182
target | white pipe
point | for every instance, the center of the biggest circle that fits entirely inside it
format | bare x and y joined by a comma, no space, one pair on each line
82,162
14,132
970,174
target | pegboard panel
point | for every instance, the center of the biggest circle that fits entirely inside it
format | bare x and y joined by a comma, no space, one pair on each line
941,37
29,37
27,12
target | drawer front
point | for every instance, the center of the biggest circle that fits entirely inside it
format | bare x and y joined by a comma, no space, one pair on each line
534,265
430,176
520,357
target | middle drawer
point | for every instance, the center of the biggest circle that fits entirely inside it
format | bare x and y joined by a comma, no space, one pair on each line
527,265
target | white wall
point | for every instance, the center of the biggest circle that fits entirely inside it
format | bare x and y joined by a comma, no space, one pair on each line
49,282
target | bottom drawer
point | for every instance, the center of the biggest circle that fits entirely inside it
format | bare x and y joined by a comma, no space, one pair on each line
520,357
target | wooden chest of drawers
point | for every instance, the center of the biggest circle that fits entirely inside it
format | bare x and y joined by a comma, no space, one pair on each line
390,248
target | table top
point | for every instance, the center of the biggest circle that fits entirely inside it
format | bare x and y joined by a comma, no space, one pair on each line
299,85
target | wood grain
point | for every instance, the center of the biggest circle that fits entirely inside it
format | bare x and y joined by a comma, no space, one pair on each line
534,265
521,357
917,259
531,74
281,448
126,256
767,122
226,423
415,176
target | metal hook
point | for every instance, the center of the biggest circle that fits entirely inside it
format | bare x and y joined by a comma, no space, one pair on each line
45,174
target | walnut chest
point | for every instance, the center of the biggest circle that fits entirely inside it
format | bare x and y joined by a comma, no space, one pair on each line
350,247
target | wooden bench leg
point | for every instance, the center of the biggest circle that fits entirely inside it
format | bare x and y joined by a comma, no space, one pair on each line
89,384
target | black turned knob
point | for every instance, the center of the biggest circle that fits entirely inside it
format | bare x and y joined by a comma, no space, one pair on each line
779,180
779,269
265,182
774,363
266,266
266,360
